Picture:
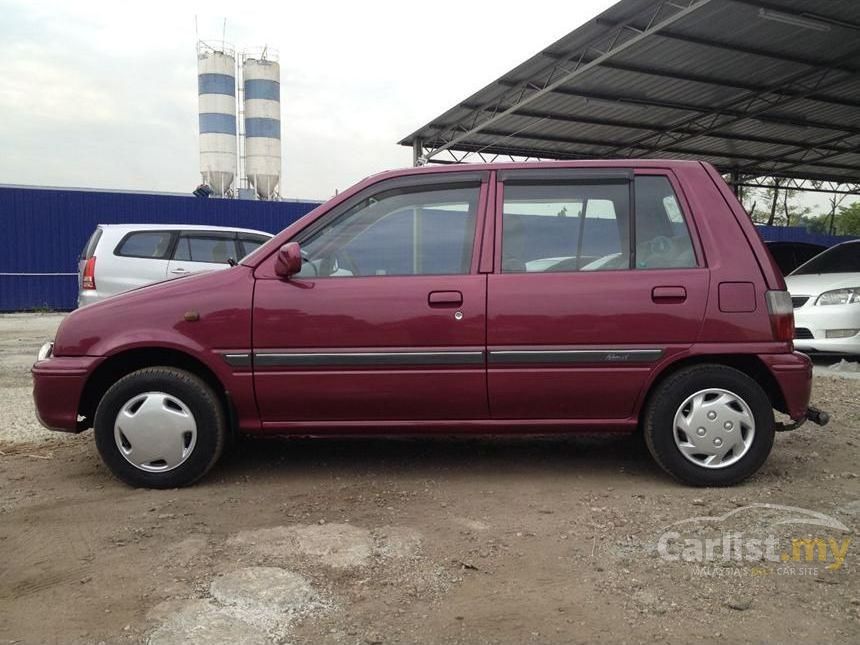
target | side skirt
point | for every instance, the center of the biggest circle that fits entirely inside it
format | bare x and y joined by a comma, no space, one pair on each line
446,426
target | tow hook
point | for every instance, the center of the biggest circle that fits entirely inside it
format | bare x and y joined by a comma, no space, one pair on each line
818,417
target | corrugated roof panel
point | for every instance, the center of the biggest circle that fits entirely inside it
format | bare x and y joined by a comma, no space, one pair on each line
730,82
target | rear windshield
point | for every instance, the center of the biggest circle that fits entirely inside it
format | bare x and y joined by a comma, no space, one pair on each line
844,258
91,245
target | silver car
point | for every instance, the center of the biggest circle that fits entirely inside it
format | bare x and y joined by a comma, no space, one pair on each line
119,257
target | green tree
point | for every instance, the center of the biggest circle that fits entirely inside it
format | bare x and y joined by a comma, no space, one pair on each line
847,220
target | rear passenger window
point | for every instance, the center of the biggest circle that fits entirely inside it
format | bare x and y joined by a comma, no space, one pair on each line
566,227
145,244
205,249
662,237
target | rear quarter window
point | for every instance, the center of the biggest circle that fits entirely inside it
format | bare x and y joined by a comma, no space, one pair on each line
145,244
662,237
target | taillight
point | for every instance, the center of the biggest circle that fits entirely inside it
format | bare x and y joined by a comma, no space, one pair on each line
781,315
88,280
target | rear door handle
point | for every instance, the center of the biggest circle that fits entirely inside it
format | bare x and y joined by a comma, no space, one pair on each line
179,270
445,299
668,294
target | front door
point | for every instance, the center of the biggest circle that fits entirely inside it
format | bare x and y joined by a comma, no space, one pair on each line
387,319
597,279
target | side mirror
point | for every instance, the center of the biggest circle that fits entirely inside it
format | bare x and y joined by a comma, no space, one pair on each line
289,260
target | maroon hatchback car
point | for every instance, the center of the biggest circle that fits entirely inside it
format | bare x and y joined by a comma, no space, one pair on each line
602,296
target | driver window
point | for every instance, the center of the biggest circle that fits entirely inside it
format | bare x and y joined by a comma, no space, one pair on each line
399,232
662,237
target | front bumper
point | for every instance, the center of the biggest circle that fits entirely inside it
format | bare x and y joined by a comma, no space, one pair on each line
58,382
812,323
829,345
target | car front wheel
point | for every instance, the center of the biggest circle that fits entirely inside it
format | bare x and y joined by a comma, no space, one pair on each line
160,427
709,425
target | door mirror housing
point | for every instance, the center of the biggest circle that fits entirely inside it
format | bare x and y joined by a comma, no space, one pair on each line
289,260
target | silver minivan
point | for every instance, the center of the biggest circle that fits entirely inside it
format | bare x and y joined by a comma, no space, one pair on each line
119,257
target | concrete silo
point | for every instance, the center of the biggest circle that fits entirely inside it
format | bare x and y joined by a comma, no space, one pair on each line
261,75
216,88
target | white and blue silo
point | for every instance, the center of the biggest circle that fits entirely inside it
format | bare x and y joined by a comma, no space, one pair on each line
216,89
261,76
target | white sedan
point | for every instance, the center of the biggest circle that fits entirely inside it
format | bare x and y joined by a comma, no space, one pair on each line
826,296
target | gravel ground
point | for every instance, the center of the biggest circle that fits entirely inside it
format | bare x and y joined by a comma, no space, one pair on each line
475,540
21,336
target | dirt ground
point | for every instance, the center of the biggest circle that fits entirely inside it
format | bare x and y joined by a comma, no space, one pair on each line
443,540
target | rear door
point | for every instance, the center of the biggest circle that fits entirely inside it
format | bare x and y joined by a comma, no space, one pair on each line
596,279
197,251
138,258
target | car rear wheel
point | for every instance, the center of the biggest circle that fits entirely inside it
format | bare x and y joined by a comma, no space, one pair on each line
709,425
160,427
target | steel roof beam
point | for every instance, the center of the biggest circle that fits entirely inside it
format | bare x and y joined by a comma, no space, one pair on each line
783,159
711,80
651,127
699,109
755,51
540,153
793,183
604,143
839,22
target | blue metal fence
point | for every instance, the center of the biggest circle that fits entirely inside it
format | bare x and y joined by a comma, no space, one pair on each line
799,234
44,230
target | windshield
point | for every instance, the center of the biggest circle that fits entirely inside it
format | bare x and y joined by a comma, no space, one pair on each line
844,258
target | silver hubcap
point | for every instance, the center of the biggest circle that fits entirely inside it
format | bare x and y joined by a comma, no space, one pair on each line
155,432
714,428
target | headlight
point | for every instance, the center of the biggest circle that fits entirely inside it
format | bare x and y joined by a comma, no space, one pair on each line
839,297
45,352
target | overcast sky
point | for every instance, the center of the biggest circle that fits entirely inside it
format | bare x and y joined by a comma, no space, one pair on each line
104,93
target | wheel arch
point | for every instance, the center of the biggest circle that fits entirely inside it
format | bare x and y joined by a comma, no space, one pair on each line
749,364
127,361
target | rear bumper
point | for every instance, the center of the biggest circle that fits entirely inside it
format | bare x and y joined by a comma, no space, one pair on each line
793,374
57,386
88,297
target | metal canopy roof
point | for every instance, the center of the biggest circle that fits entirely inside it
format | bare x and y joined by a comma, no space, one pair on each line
758,88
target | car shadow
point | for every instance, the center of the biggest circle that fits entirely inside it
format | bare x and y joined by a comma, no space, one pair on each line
431,455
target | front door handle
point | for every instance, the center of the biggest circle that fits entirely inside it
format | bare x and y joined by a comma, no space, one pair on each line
179,270
668,294
445,299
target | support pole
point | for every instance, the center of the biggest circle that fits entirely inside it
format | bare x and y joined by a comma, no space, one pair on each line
417,149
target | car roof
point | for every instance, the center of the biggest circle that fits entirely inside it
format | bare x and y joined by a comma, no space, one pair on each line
180,227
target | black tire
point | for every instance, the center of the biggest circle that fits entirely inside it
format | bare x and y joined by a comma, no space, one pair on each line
200,399
670,394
